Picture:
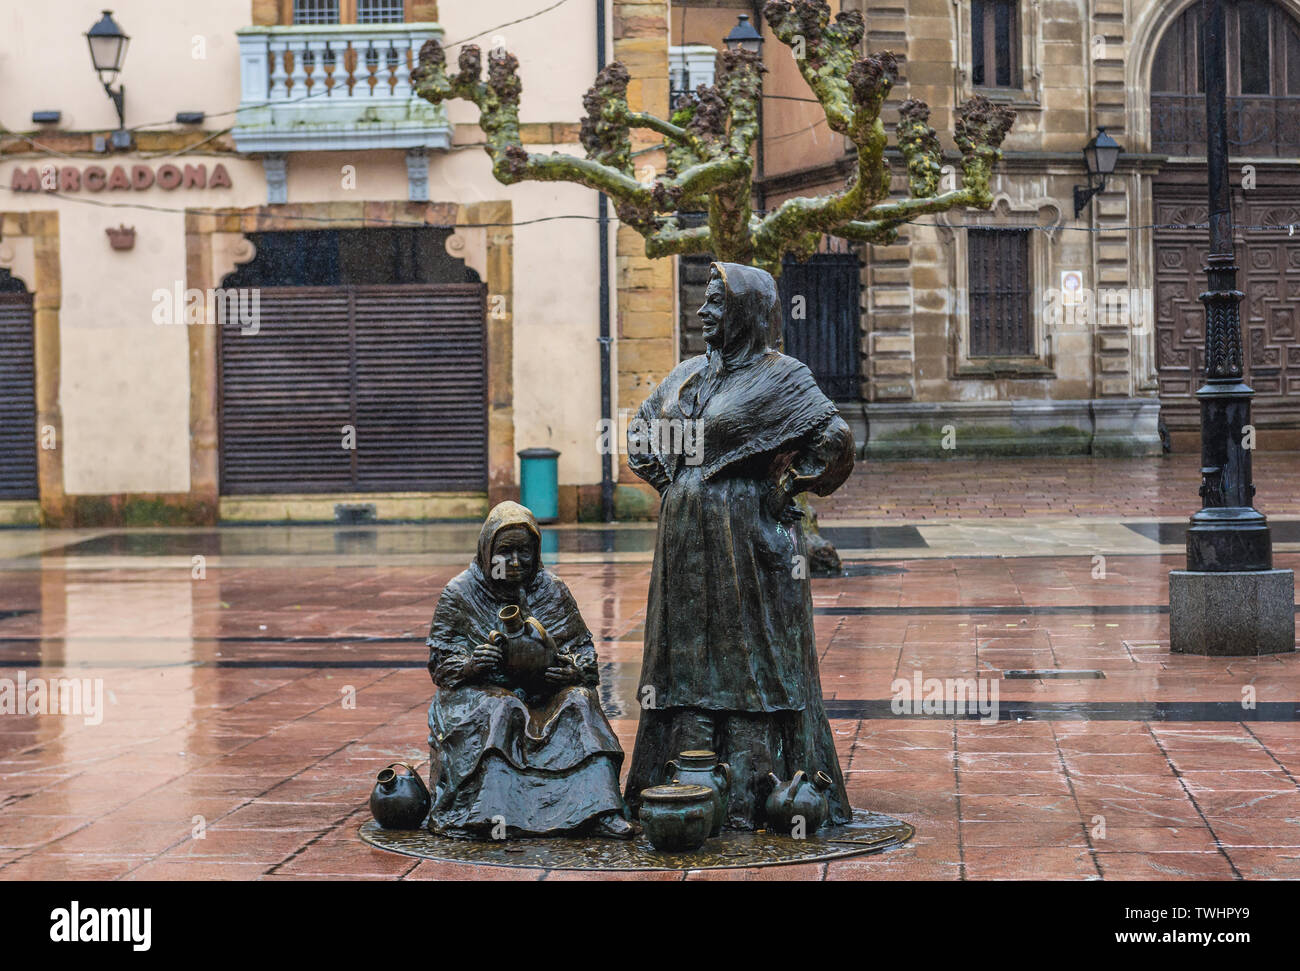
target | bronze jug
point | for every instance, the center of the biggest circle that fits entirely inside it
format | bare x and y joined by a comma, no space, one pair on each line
800,797
527,649
400,801
700,767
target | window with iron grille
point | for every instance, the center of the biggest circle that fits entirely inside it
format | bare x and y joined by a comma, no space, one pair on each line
349,11
1262,76
995,44
315,11
380,11
824,333
1000,290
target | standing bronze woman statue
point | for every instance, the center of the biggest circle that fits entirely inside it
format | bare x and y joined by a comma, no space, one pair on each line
730,658
518,742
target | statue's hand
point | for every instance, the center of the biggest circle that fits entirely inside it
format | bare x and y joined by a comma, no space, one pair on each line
485,658
564,672
780,499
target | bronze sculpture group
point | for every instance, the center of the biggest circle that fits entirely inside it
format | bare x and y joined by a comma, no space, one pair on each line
519,743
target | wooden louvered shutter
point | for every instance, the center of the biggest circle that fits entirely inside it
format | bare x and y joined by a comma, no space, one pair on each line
17,399
421,383
403,365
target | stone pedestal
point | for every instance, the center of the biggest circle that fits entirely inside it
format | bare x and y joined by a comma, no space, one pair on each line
1232,614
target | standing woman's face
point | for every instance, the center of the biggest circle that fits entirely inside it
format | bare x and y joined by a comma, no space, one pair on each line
513,558
713,310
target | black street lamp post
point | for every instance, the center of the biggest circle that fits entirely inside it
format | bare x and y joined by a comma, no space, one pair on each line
1230,600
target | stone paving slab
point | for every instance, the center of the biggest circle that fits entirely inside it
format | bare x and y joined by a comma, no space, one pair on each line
218,713
245,713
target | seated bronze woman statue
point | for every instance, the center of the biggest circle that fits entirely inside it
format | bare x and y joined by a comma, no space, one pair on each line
518,740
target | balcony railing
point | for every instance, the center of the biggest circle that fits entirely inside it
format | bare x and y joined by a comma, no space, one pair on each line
1259,126
344,86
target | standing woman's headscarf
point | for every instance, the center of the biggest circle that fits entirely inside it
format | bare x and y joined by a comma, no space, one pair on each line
746,323
746,320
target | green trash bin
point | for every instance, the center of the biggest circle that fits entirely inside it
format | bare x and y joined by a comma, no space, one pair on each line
539,483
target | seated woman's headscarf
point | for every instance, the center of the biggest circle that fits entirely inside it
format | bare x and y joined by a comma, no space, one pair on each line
467,610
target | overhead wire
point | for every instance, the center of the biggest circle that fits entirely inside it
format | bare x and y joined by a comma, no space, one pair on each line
1290,229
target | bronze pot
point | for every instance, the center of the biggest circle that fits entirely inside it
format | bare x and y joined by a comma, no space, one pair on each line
800,798
677,818
700,767
526,649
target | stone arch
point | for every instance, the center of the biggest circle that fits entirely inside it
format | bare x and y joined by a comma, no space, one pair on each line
1148,30
30,252
481,236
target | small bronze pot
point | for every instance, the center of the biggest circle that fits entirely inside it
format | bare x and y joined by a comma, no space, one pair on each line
699,767
400,801
677,818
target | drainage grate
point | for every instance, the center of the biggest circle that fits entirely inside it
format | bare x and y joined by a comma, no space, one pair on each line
1035,674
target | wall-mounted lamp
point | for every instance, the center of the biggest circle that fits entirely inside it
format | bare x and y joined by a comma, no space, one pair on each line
1099,156
744,37
108,45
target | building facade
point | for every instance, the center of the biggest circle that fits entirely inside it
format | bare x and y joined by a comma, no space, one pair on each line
287,286
281,287
1029,328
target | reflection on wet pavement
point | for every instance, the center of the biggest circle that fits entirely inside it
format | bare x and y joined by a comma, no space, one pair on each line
308,540
249,698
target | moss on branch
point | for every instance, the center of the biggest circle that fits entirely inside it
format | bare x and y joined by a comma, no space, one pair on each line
710,139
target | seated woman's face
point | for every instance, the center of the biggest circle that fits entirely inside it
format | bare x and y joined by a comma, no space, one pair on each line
512,555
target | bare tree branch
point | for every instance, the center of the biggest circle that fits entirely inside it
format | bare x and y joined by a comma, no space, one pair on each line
669,240
710,140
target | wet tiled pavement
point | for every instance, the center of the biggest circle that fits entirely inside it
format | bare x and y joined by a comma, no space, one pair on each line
1061,486
250,697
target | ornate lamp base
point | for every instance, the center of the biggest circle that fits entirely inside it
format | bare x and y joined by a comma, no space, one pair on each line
868,833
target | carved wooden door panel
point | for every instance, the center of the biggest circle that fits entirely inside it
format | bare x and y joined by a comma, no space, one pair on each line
1268,262
1272,306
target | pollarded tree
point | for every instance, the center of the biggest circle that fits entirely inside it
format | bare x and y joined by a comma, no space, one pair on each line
710,139
710,161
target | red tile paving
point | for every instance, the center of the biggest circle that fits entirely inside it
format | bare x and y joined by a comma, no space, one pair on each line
228,750
1076,486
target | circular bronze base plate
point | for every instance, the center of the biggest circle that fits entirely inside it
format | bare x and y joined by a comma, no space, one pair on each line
868,833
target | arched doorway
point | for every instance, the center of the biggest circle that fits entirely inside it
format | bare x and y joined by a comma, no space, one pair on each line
366,371
1263,63
18,476
1263,84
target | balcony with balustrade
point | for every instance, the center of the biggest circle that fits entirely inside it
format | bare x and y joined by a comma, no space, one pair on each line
335,86
1259,126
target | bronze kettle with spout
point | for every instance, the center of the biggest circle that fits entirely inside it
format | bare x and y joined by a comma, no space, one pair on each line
400,801
801,797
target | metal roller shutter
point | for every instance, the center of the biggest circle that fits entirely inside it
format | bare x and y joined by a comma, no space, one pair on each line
404,365
17,398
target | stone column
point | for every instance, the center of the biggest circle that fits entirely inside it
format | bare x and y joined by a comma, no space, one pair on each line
645,336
